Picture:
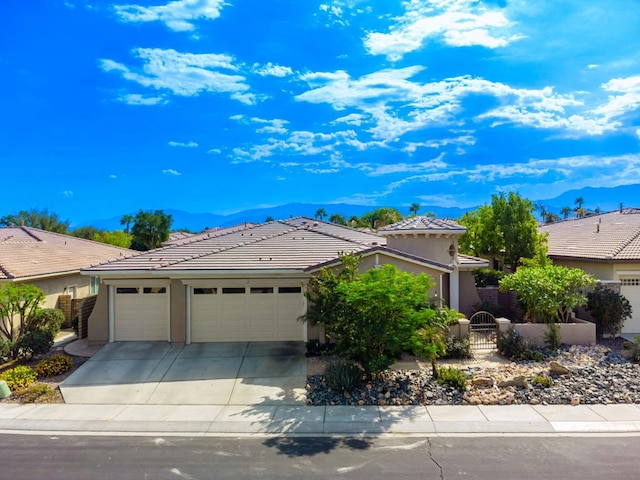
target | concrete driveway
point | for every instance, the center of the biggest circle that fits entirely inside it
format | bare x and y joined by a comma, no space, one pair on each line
157,373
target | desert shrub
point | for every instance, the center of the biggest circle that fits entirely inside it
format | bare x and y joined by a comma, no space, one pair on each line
636,353
54,365
459,348
47,320
38,393
486,277
5,349
19,377
453,377
543,381
513,346
37,342
343,376
609,309
552,338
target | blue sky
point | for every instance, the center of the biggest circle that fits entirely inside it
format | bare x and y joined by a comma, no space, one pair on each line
220,106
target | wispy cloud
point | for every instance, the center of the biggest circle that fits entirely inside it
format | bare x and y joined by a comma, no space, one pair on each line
214,151
67,193
112,176
457,23
185,74
178,15
272,70
171,171
138,99
183,144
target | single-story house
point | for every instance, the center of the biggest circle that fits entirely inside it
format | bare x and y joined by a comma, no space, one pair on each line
606,246
248,283
52,262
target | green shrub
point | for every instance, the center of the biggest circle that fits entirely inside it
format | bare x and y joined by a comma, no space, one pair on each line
552,336
54,365
543,381
38,393
47,320
513,346
5,349
486,277
343,376
454,377
33,343
19,377
636,353
609,309
458,348
494,309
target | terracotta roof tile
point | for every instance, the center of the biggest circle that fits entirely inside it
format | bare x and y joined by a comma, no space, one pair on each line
423,224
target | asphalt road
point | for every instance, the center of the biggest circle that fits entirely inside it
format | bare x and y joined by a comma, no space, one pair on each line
176,458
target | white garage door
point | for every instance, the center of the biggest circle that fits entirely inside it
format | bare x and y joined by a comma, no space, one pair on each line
141,313
251,313
630,288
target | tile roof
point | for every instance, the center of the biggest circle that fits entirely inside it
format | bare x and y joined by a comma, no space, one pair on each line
613,236
28,252
423,225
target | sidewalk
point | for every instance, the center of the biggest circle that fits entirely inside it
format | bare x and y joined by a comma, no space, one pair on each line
238,420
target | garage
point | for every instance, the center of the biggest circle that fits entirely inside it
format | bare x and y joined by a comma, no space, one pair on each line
141,312
260,311
630,289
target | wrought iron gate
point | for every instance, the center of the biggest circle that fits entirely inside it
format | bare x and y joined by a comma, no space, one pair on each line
483,330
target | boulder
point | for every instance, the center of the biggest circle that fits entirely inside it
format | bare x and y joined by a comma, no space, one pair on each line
482,382
629,349
559,369
520,381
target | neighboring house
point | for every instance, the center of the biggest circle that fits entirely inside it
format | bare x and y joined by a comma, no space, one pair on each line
52,262
606,246
247,283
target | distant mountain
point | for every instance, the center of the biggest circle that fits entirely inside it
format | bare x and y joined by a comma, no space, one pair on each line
199,221
606,199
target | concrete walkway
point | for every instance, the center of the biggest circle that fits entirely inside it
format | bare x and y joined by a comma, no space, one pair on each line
238,420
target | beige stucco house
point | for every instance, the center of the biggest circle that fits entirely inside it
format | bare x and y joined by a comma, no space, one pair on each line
606,246
247,283
52,262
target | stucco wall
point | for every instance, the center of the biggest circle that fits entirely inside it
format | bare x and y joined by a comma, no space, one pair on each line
601,271
98,324
52,287
431,247
468,293
178,312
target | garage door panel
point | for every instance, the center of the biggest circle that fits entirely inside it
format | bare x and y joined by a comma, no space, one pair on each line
141,314
630,289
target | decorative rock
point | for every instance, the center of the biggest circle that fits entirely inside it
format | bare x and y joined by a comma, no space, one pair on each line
520,381
629,349
575,400
559,369
482,382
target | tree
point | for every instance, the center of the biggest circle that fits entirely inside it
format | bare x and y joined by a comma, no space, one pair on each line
579,210
126,220
41,219
548,293
88,233
338,219
565,211
609,309
268,219
150,229
18,305
117,238
380,217
505,230
413,209
321,214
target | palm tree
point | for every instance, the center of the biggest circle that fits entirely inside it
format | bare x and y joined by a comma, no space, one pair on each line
413,209
337,218
565,212
126,220
321,213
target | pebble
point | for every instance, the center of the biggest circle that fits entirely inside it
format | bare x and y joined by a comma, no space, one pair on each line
597,376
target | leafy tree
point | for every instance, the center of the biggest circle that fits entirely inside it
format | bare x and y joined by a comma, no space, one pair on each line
150,229
380,217
505,230
338,219
127,220
609,309
321,214
268,219
353,221
116,238
548,293
413,209
88,233
42,219
18,305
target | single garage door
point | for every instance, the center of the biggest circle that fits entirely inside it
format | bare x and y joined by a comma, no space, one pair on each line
141,313
248,313
630,289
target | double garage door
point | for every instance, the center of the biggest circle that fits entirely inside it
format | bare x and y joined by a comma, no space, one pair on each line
259,312
630,288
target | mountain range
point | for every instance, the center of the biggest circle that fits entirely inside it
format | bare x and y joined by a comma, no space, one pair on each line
606,199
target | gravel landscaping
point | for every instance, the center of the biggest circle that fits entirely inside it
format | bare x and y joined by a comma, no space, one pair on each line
596,374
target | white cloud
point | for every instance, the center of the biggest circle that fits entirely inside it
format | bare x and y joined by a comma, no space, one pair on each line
638,133
412,147
171,171
214,151
67,193
458,23
184,74
113,176
178,15
137,99
183,144
271,69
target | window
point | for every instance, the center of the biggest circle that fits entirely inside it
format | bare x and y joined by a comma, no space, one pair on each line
452,250
233,290
126,290
205,291
290,290
155,290
94,285
261,289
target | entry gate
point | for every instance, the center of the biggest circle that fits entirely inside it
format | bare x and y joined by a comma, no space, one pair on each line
483,330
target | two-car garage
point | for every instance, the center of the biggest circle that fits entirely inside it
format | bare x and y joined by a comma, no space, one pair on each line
214,311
